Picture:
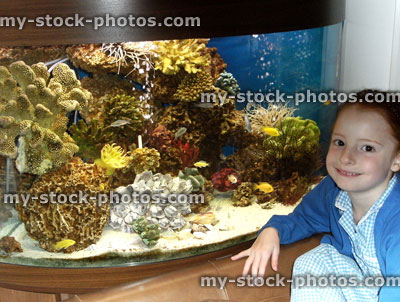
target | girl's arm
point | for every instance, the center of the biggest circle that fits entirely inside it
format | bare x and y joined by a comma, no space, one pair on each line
310,217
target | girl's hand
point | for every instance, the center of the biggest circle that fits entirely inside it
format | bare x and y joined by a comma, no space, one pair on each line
265,247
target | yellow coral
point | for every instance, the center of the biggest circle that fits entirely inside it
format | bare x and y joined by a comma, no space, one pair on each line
176,54
145,159
112,157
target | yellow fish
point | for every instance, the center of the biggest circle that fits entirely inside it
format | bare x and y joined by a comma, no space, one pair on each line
264,187
63,244
327,102
201,164
270,131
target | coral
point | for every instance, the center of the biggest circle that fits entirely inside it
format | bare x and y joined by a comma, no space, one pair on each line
242,195
34,107
160,138
150,233
90,138
155,197
189,153
10,245
101,85
287,191
96,59
137,55
295,150
268,117
144,159
123,108
226,179
191,87
175,55
194,176
112,157
31,55
217,65
81,219
227,82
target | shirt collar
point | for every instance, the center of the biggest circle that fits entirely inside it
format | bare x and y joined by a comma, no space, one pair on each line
343,201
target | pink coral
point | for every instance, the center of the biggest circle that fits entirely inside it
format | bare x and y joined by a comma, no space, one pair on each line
226,179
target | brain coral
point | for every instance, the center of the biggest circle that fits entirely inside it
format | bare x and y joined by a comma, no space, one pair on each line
82,222
33,107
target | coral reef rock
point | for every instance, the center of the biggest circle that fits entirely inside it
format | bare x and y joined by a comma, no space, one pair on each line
79,219
144,159
161,199
10,245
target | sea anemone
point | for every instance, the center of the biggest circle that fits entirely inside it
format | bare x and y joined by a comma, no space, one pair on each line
268,117
112,157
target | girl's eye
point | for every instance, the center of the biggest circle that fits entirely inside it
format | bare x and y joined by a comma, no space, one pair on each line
338,142
368,148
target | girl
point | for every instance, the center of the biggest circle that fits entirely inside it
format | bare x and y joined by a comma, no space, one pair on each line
358,203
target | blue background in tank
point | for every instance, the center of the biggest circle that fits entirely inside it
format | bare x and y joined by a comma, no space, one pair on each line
291,62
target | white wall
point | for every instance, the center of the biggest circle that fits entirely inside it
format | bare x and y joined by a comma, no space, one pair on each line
371,45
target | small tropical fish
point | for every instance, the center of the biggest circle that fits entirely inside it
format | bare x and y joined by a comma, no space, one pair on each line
270,131
247,123
181,131
64,244
201,164
264,187
327,102
203,105
232,178
120,123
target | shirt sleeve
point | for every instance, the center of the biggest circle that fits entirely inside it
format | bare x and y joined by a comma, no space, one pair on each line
310,217
390,292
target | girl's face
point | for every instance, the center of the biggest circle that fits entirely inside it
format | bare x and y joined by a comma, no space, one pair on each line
363,154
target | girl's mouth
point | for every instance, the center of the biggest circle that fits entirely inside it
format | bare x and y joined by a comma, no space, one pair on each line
347,174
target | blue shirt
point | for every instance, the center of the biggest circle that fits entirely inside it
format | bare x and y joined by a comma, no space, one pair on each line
318,213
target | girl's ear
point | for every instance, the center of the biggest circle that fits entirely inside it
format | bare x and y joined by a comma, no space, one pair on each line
396,163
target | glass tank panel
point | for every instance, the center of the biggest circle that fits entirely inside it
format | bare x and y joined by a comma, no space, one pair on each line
138,152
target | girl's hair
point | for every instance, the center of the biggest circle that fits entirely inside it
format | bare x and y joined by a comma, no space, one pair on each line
388,105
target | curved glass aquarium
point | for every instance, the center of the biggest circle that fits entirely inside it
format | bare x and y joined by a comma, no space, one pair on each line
139,152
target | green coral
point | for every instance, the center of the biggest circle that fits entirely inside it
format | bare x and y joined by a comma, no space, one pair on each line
175,55
296,149
149,233
192,85
227,82
33,107
90,138
194,176
122,107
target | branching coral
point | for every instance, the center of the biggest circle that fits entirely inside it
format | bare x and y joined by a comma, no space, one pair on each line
174,55
227,82
112,157
138,55
296,149
268,117
191,87
34,107
82,221
144,159
188,152
90,138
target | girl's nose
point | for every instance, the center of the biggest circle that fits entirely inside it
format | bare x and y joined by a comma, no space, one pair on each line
347,157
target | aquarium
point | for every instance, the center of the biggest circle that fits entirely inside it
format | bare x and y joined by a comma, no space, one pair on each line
138,152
